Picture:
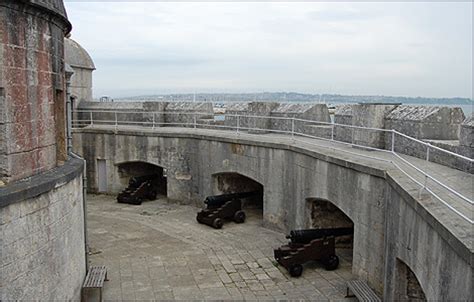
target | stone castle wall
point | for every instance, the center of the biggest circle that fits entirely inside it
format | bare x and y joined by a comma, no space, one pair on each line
42,236
440,126
41,198
291,177
31,90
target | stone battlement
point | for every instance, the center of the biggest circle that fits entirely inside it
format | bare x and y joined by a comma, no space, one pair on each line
444,127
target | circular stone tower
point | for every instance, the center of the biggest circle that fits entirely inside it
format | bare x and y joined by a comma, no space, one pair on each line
83,65
41,198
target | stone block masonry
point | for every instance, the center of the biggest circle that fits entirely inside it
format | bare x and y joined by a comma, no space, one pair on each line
42,236
32,113
41,198
292,176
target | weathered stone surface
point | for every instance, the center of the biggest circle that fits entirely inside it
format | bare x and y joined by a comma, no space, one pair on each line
262,112
188,112
370,116
308,111
43,253
232,110
437,125
233,264
167,114
305,111
41,213
343,116
467,132
426,122
76,56
53,6
32,81
290,176
438,269
362,115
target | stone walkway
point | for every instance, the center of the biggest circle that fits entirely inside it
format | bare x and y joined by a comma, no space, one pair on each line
157,251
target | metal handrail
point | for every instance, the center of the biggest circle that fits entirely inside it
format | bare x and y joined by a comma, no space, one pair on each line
434,179
194,123
433,147
434,194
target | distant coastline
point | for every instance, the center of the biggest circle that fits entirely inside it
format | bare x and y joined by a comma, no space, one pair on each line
331,99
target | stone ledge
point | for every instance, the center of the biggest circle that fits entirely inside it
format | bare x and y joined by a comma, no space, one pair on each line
374,170
462,246
386,171
40,183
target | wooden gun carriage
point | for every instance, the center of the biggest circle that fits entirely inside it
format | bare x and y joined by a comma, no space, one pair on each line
309,245
224,207
139,188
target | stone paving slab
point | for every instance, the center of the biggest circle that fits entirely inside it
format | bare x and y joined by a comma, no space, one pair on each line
157,251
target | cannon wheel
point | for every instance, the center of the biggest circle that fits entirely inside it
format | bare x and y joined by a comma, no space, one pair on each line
296,270
239,216
331,263
198,218
217,223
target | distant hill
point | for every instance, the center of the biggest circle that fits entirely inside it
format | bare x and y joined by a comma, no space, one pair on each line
299,97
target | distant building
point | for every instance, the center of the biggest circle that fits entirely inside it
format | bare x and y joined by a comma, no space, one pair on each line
83,65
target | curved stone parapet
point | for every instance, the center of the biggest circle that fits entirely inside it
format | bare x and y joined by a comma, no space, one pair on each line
55,7
32,87
392,218
42,242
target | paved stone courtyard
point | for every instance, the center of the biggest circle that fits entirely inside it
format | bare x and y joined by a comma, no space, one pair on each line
157,251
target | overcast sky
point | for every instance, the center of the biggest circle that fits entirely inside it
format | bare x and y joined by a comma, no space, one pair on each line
402,49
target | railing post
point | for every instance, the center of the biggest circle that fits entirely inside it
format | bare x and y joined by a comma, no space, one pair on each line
426,175
393,140
238,123
92,121
116,120
153,122
293,127
194,118
332,132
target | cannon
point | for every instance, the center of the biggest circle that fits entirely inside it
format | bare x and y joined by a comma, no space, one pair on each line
224,207
139,188
216,201
310,245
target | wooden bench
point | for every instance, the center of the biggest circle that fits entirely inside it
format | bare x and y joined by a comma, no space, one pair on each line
95,279
362,291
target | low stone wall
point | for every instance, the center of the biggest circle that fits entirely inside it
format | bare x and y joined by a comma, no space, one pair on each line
140,113
282,113
291,177
42,242
288,179
305,111
343,115
417,241
439,126
370,116
460,142
233,109
429,123
263,111
188,112
426,122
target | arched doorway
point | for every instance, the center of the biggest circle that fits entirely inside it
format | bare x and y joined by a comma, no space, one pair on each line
408,287
323,214
232,182
138,169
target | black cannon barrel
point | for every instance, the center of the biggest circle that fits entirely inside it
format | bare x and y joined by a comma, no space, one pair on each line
217,200
305,236
136,181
